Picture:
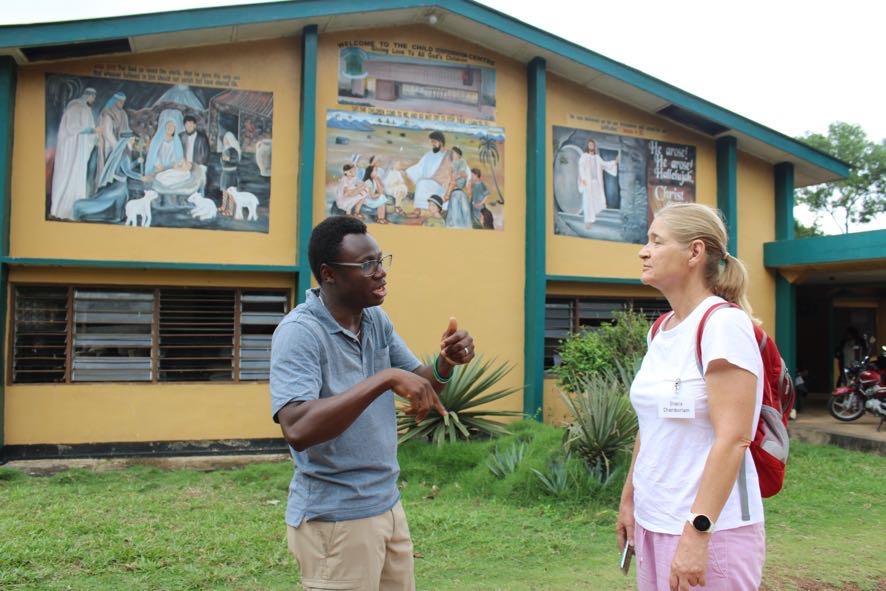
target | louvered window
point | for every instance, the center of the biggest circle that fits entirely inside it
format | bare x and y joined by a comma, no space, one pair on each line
196,335
564,316
80,334
112,336
40,334
259,315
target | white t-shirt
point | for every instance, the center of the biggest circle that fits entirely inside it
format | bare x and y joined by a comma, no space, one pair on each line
673,451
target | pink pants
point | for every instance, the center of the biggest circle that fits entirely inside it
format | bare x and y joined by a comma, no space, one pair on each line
735,559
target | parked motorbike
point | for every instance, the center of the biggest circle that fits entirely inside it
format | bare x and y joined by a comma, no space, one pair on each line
864,389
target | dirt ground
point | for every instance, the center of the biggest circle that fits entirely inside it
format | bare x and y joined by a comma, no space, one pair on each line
199,463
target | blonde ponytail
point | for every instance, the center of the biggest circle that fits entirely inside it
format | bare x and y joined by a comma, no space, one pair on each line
725,275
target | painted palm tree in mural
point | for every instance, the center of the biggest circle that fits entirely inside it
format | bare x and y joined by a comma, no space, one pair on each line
489,156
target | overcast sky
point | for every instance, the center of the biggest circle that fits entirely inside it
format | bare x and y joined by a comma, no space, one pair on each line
795,66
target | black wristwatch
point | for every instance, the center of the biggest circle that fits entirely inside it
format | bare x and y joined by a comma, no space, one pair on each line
701,523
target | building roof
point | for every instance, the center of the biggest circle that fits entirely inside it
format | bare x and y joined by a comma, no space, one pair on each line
498,32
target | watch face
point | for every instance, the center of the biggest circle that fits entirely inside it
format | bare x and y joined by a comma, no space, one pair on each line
701,523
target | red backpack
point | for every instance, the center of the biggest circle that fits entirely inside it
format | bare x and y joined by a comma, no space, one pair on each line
770,445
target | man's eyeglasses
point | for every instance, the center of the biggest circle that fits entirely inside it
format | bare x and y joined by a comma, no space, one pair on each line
370,268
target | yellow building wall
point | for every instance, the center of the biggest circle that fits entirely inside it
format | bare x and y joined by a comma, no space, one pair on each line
475,275
268,66
755,187
571,105
138,412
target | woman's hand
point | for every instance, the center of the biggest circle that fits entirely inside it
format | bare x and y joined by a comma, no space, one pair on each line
624,524
690,560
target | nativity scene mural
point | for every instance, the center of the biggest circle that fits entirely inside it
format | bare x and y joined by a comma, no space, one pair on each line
608,187
146,154
412,171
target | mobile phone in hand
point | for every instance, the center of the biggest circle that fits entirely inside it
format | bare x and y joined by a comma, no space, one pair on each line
626,555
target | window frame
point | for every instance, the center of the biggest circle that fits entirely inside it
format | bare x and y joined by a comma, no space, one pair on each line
70,324
575,317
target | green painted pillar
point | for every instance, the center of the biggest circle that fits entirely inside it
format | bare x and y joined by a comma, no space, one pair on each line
7,112
727,192
307,145
535,283
785,292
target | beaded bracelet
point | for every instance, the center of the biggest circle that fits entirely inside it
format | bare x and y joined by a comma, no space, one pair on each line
437,375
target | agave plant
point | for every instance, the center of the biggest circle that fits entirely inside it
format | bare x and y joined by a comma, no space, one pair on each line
603,422
505,461
468,389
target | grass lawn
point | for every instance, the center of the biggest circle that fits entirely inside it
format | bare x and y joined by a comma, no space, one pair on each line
144,528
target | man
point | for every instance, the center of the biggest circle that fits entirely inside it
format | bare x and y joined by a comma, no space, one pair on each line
74,144
336,363
195,144
113,122
431,174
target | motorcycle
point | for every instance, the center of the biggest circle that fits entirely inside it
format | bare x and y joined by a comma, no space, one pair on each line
864,389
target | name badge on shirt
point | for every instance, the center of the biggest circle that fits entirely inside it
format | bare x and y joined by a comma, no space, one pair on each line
676,406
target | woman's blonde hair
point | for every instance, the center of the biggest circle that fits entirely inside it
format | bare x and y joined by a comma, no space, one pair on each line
724,274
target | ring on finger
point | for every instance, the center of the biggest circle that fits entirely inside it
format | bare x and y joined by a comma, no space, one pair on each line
467,351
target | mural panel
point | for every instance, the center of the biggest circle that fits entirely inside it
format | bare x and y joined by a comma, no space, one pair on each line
144,154
608,187
414,171
383,74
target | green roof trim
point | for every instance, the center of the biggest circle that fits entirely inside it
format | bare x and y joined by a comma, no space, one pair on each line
185,20
38,262
844,248
586,279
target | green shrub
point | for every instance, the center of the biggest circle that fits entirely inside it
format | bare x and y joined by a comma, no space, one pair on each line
467,390
592,351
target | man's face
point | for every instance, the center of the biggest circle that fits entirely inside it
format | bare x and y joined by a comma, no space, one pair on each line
190,126
436,145
120,103
90,98
353,288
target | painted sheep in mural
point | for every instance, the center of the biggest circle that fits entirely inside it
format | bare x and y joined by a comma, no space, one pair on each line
204,209
140,207
243,199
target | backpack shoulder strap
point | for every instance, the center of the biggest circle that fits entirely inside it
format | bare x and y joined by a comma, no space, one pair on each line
702,322
656,326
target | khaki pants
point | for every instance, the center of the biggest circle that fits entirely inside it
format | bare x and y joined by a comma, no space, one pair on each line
372,554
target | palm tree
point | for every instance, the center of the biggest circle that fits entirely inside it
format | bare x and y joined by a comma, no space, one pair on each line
489,156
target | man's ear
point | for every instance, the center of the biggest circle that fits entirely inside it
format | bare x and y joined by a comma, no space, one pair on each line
326,274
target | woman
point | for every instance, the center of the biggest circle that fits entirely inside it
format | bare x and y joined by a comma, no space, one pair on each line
459,208
680,506
375,193
590,182
165,151
350,192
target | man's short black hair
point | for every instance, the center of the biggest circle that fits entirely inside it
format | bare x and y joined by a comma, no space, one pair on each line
326,239
190,118
437,135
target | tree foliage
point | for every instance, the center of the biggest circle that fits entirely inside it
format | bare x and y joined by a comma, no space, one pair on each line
860,197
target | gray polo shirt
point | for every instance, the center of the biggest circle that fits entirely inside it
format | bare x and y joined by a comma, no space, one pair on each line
355,474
